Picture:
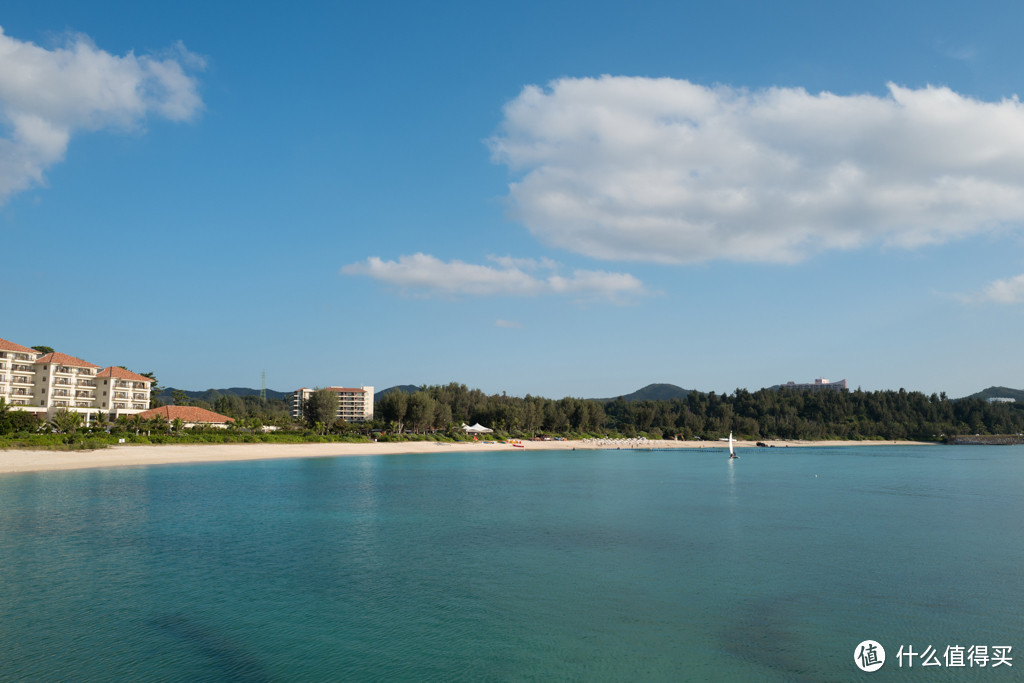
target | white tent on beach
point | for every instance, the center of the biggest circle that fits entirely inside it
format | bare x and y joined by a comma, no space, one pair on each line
476,429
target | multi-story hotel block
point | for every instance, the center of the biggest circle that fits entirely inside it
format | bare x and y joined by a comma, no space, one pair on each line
45,383
354,405
818,385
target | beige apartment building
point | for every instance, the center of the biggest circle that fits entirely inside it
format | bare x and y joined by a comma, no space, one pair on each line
354,405
46,383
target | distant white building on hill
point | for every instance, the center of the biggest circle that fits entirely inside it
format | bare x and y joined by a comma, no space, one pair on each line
354,405
818,385
1001,399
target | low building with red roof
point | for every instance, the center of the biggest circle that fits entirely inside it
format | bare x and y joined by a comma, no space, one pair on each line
189,415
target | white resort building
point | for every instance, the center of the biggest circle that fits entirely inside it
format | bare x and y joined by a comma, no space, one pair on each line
45,383
354,405
818,385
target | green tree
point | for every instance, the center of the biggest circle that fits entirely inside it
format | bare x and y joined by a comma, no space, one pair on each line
180,398
231,405
154,390
43,349
421,411
393,407
65,421
321,408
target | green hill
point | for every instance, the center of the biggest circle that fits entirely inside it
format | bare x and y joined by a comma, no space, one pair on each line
652,392
1000,392
407,388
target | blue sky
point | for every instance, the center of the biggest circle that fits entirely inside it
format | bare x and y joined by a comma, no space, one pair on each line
555,198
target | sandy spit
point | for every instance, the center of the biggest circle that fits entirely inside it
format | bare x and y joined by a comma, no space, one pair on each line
14,460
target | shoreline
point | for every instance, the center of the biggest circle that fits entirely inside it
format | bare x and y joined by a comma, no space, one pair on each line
16,461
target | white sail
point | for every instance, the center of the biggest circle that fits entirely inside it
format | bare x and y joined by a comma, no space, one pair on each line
730,445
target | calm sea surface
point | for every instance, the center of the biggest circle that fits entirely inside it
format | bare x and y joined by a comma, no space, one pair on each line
535,565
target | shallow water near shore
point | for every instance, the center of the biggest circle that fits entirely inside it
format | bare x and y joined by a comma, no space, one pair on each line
588,565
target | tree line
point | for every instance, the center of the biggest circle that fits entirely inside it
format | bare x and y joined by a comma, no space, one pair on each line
763,414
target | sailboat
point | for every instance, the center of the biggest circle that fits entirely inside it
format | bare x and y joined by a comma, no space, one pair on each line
732,453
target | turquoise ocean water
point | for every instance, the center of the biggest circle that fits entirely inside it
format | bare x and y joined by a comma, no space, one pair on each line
535,565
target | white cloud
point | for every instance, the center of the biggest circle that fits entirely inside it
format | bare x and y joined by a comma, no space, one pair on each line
510,324
427,275
1008,291
668,171
48,95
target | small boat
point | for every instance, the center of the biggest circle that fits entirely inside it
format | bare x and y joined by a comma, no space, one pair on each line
732,453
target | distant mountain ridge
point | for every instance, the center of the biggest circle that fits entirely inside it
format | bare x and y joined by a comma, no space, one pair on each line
407,388
651,392
210,395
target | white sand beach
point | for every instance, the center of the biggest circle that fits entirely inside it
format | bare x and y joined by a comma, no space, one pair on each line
14,460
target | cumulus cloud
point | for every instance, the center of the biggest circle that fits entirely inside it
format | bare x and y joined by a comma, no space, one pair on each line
668,171
1008,291
48,95
427,275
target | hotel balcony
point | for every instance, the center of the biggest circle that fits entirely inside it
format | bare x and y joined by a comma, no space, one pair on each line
120,394
64,370
86,383
139,397
140,406
85,394
61,381
20,392
22,380
61,404
21,368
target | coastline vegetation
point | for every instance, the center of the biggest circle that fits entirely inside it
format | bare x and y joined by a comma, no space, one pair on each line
438,413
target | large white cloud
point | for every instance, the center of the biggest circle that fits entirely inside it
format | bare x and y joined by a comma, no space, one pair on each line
423,274
668,171
48,95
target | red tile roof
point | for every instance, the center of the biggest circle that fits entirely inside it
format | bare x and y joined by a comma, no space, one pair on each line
65,359
17,348
185,414
115,372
